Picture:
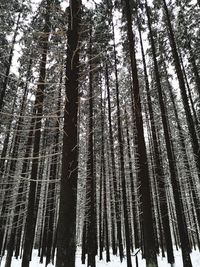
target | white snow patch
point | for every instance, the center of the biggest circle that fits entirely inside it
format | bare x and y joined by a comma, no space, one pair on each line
115,261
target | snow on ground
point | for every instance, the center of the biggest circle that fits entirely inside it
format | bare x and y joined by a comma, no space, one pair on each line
115,262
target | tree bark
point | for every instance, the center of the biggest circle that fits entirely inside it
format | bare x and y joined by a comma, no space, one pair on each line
66,235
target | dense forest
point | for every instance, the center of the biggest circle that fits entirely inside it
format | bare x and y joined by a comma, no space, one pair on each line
99,131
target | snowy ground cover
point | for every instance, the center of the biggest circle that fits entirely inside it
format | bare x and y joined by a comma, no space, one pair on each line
115,262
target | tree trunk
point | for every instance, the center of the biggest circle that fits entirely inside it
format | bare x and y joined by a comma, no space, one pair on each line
7,72
53,175
159,172
38,107
122,167
133,189
143,172
66,235
190,123
90,183
172,165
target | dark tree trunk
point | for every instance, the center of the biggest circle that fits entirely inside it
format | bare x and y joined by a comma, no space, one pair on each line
194,68
38,107
7,72
100,213
122,167
4,168
90,181
184,150
194,113
105,209
143,172
13,165
190,122
133,189
159,172
53,175
114,176
172,165
66,235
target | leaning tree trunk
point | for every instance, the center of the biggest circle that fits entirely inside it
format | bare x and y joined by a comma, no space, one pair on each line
66,235
172,166
183,149
190,122
12,170
159,172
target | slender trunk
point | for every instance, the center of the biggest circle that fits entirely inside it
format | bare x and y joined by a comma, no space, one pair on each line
133,189
105,209
112,208
90,184
172,167
159,172
194,68
38,106
143,172
12,170
52,176
122,167
114,175
184,150
7,72
100,214
190,122
194,113
4,168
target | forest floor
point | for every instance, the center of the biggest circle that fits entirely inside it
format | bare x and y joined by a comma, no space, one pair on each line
115,262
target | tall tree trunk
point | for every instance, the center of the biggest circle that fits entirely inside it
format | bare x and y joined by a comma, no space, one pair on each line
159,172
184,150
143,172
38,107
66,235
7,72
53,175
122,166
133,189
105,208
114,175
190,123
194,67
172,166
13,165
4,168
90,183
